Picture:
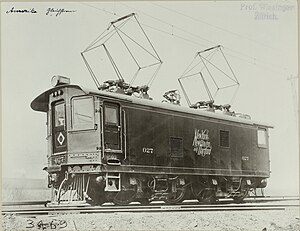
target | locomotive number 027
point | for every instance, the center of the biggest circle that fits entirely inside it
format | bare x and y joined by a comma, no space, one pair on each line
148,150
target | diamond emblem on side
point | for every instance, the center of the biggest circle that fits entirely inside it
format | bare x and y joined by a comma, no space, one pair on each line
60,138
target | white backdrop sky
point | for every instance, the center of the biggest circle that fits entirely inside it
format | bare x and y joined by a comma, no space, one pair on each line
262,52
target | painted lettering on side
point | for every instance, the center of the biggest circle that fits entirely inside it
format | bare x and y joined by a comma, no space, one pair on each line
148,150
201,143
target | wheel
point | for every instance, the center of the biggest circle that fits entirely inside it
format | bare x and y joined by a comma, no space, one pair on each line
203,194
240,198
176,197
125,196
96,194
144,201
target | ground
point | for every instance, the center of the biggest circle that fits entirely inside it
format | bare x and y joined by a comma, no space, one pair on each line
283,220
230,220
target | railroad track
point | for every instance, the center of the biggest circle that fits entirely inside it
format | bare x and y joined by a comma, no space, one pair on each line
26,208
165,208
222,201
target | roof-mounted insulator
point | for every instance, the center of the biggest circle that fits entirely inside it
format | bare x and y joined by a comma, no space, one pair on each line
172,96
244,116
203,104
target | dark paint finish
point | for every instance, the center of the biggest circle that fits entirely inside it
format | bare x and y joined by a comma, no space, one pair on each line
153,129
157,140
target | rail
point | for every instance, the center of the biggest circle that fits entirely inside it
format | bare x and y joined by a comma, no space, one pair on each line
25,209
165,208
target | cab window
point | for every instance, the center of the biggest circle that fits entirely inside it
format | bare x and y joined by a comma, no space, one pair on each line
262,137
59,114
59,138
111,114
83,113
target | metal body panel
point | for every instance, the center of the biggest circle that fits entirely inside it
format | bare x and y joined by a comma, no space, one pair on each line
162,170
157,138
175,108
152,129
83,145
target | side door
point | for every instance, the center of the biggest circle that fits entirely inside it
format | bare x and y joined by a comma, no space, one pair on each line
112,127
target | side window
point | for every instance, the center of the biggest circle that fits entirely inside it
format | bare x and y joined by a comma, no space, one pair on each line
83,113
262,137
224,139
111,115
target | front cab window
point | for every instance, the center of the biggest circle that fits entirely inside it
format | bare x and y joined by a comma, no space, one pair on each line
59,117
59,127
83,113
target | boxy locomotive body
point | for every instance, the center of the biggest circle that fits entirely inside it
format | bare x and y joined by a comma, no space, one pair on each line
105,146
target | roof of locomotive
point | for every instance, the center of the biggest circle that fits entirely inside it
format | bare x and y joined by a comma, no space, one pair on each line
40,103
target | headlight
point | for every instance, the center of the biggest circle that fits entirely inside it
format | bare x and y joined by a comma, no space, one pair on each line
59,80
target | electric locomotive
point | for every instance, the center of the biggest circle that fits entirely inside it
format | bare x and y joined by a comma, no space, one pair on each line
106,145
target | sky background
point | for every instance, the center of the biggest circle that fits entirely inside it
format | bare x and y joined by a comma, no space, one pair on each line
263,54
